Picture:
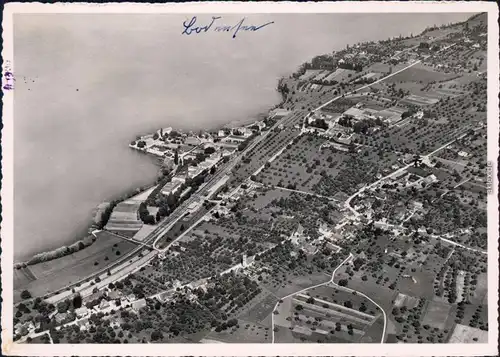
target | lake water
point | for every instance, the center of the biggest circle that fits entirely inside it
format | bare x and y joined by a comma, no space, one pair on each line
88,84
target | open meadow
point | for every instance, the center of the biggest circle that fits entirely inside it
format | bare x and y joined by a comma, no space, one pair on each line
56,274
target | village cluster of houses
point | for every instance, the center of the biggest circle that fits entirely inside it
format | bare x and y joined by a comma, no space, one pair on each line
167,143
360,112
200,152
179,179
110,300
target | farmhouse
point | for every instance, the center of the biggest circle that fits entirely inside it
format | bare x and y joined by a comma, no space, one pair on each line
104,304
233,139
228,146
391,115
244,132
192,141
139,304
197,284
81,312
259,124
221,133
113,295
83,324
167,296
308,248
359,114
97,295
418,205
340,147
431,179
398,175
60,317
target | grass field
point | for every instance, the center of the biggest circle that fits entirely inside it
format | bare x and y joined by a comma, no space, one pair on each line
244,332
337,295
420,286
23,277
380,294
319,319
260,309
373,334
285,335
405,300
264,199
56,274
420,100
481,293
436,315
379,67
310,73
293,284
339,75
466,334
420,73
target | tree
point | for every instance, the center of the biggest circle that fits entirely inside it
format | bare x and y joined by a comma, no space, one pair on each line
209,150
77,301
25,294
156,335
176,157
63,306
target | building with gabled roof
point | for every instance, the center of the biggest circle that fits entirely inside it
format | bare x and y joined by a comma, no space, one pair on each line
139,304
81,312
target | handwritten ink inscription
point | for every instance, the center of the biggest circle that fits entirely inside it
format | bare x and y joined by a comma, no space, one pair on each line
8,77
192,27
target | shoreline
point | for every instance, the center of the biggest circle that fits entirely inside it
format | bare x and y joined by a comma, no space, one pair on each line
23,262
90,226
282,99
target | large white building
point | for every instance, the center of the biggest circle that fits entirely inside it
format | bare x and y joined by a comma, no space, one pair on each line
171,187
